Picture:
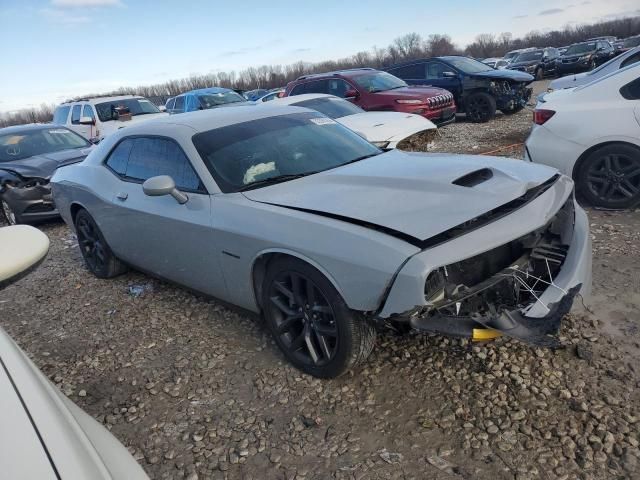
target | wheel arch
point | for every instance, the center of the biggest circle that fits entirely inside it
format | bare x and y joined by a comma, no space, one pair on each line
260,264
74,208
578,164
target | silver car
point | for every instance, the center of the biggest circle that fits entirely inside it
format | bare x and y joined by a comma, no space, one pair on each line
284,212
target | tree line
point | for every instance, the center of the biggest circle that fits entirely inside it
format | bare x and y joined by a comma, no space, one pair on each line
406,47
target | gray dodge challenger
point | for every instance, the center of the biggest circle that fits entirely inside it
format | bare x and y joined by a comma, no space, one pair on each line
284,212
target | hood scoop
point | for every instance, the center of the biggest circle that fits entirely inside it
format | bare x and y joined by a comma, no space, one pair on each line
474,178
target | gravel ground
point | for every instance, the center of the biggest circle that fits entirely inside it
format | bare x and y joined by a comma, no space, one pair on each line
196,390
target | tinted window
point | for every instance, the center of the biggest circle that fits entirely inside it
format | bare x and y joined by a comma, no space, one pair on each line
61,114
296,144
580,48
117,161
631,42
316,86
528,56
170,103
27,143
75,114
435,70
87,111
630,60
179,105
331,107
211,100
631,91
378,82
410,71
135,106
150,157
338,87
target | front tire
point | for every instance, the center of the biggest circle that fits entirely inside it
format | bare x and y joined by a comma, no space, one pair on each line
480,107
97,255
8,213
311,323
610,177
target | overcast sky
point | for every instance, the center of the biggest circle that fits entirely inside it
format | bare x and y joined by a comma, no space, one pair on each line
54,49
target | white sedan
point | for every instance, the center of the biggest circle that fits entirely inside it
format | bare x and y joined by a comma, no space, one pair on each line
592,133
43,435
384,129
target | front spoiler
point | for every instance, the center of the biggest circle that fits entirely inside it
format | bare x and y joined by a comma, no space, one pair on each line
535,331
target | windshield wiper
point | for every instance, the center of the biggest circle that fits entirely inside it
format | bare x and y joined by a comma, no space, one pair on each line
272,180
357,159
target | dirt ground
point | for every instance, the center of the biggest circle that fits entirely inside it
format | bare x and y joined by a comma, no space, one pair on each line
196,390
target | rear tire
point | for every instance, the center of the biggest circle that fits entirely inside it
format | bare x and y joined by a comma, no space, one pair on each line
310,321
480,107
97,255
609,177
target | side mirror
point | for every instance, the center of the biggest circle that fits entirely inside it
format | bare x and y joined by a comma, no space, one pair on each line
449,74
351,93
162,108
87,121
163,185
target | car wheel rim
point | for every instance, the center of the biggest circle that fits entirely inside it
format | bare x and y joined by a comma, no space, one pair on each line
90,244
8,213
478,108
304,320
614,178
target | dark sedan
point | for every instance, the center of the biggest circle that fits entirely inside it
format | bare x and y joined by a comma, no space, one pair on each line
29,155
585,56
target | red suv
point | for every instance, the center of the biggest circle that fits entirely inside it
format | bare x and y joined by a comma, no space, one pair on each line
375,90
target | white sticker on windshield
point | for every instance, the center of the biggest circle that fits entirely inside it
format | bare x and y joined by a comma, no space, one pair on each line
59,130
322,121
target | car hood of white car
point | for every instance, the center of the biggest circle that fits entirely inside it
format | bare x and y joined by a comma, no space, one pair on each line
386,126
412,195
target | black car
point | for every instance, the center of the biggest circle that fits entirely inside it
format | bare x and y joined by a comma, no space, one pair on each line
585,56
479,90
29,155
540,62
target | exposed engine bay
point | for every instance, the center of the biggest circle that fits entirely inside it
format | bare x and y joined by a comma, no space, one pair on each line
495,289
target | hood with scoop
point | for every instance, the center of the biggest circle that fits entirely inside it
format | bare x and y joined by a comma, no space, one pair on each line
405,194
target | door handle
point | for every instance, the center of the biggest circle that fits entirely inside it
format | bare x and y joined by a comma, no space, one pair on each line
122,196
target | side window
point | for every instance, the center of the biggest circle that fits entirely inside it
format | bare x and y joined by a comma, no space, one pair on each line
75,114
119,157
159,156
298,89
61,114
179,105
317,86
338,87
170,104
627,61
415,71
87,111
631,91
434,70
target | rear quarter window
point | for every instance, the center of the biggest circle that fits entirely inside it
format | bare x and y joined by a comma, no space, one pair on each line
631,91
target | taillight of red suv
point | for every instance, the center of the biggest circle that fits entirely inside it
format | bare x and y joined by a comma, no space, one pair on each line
541,116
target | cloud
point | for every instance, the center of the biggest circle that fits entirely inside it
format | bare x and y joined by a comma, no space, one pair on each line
85,3
300,50
60,16
520,16
551,11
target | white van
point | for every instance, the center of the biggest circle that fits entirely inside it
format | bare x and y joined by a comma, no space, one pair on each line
97,117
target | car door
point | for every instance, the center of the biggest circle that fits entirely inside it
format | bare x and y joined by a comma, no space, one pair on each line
441,75
413,74
157,234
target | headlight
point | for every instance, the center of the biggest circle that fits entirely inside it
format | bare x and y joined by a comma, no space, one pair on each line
381,145
585,58
410,101
549,90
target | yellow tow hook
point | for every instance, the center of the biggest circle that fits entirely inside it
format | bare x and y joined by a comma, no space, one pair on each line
484,334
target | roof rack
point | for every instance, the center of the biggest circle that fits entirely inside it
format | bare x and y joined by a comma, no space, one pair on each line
335,72
102,95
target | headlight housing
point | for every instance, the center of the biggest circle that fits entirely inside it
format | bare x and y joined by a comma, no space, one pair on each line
585,58
410,101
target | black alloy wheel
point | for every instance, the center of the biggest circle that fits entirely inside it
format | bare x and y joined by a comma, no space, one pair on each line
480,107
304,319
310,321
610,177
97,255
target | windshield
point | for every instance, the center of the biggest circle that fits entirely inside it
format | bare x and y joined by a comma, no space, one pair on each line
136,106
510,55
295,144
528,57
378,82
29,143
631,42
468,65
331,107
211,100
580,48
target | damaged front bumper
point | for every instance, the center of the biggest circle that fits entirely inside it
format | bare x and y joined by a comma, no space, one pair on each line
30,200
511,96
441,291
